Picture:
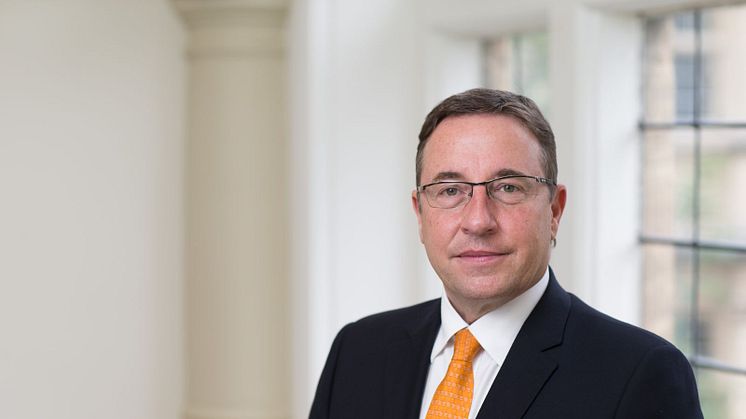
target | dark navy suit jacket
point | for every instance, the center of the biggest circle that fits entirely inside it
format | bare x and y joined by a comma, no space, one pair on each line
568,361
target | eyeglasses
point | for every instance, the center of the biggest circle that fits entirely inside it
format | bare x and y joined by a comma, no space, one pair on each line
509,190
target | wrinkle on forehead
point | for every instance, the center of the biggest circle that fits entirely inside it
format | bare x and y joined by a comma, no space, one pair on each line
449,175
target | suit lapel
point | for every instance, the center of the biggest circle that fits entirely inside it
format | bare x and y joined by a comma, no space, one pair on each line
517,383
527,366
407,364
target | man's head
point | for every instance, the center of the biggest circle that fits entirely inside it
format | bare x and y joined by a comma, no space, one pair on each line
489,242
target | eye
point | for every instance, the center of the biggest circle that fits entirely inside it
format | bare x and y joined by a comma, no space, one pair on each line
506,188
447,194
450,191
509,188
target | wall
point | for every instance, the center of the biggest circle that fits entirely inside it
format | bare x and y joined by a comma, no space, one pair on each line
90,209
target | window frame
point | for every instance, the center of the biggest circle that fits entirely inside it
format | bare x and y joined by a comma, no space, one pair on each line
696,245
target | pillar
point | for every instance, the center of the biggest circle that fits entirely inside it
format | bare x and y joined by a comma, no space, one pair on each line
236,312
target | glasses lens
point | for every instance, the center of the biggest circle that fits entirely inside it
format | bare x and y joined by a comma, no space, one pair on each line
512,190
447,195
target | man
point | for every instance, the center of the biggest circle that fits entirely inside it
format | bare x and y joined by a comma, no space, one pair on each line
507,341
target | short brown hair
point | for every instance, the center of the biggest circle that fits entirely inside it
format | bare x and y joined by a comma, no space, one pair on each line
498,102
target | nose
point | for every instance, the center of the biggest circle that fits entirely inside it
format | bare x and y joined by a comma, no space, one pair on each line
479,214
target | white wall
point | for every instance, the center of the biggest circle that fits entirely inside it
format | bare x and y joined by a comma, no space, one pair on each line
90,209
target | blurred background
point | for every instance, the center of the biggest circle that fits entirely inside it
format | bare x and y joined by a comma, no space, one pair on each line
195,195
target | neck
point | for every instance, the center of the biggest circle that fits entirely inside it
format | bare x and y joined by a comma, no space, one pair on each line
471,311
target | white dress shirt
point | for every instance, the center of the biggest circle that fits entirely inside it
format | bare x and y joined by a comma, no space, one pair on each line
495,332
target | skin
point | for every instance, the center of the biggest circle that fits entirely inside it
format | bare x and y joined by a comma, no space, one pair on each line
485,252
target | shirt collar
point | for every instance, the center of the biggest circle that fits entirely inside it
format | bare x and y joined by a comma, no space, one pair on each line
496,330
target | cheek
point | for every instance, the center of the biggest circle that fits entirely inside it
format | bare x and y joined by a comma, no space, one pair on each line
437,229
530,226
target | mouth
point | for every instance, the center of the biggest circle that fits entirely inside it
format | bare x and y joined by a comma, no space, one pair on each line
481,256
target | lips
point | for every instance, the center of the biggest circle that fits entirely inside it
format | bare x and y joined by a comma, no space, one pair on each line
481,256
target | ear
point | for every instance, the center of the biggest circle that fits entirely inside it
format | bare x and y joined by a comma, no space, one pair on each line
417,207
558,207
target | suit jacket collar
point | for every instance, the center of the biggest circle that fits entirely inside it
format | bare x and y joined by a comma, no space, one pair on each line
527,366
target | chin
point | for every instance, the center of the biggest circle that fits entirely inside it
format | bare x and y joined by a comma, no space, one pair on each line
487,288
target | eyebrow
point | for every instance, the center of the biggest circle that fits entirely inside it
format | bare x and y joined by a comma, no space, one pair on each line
508,172
456,176
447,176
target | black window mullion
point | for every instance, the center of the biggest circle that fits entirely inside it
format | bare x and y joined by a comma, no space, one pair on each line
696,184
645,126
692,244
704,362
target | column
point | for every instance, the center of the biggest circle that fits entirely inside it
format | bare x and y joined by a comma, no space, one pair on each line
236,313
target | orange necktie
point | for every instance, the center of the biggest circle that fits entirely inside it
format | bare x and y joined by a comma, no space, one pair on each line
452,399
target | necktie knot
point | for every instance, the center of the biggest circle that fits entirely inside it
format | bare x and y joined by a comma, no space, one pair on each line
465,346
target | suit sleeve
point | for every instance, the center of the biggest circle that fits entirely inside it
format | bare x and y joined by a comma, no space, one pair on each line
662,387
320,408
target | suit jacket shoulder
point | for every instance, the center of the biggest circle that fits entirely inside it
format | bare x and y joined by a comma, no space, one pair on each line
570,360
377,366
395,325
645,375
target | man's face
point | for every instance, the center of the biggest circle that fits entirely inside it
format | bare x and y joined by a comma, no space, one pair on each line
486,252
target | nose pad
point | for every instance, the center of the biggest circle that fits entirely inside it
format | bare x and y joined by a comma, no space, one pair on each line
486,194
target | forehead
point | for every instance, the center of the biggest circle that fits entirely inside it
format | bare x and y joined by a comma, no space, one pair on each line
479,146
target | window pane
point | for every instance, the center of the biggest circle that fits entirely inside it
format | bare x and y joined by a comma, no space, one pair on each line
667,293
520,63
499,63
534,68
669,72
722,305
723,395
668,173
724,63
722,199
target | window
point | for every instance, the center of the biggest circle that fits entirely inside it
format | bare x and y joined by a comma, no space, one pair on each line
519,63
694,195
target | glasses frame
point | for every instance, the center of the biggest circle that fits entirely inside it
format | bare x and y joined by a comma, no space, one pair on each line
420,189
